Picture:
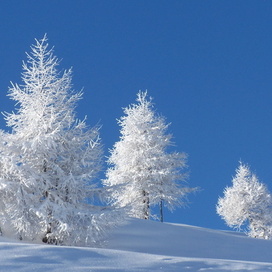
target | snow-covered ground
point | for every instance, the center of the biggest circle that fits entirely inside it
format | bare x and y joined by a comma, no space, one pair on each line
145,246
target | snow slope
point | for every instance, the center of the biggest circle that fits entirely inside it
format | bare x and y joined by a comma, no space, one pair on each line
143,245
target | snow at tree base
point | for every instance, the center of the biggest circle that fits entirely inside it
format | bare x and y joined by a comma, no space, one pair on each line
143,245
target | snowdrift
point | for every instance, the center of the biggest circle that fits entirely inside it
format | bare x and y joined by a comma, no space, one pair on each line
143,245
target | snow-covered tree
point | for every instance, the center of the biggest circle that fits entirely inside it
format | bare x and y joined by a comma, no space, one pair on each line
247,202
143,173
50,159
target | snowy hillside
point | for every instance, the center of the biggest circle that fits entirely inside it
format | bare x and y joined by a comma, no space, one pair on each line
146,246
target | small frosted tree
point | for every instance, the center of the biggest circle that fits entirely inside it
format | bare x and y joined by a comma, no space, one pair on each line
50,159
247,203
143,173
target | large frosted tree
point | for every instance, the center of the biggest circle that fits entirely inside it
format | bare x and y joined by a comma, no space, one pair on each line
247,203
50,159
142,172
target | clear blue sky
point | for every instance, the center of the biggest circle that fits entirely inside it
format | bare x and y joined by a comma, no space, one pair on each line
207,64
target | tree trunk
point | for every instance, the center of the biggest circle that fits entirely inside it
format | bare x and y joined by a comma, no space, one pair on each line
146,205
161,210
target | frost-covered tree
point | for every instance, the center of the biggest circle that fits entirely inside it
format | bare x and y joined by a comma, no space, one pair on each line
247,203
50,159
142,172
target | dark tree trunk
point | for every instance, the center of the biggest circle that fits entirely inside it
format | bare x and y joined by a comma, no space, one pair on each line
146,204
161,210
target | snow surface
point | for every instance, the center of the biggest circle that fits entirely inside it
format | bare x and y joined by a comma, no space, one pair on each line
142,245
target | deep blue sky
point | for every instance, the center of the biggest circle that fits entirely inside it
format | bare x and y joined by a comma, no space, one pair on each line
207,64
